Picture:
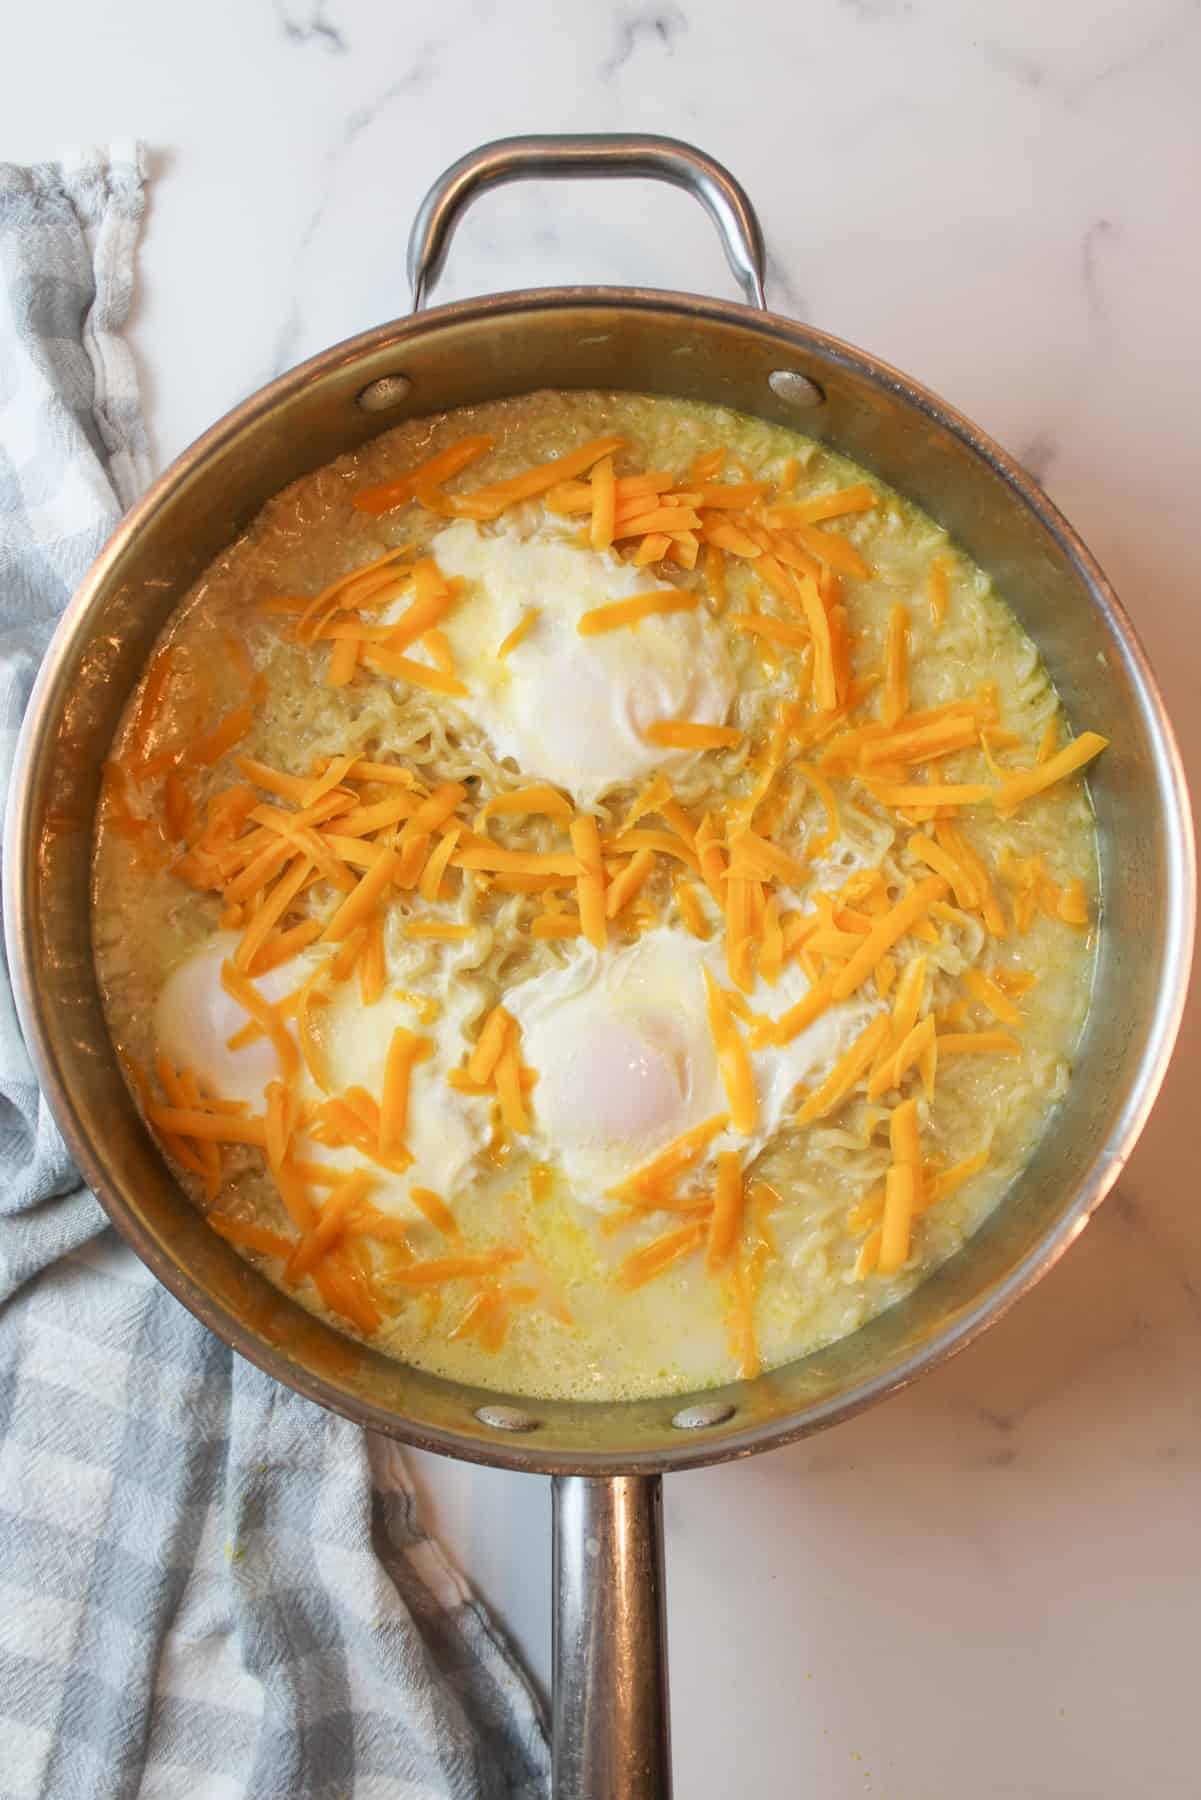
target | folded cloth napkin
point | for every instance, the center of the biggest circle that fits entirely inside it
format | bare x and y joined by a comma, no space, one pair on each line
210,1587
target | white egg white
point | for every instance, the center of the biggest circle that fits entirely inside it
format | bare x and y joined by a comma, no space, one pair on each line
567,708
195,1017
626,1062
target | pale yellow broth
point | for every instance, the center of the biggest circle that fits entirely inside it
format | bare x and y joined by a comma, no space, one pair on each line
678,1332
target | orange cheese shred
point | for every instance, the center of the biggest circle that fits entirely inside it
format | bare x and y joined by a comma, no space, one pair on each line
943,862
896,1223
1073,903
712,857
1023,784
662,843
628,882
760,858
733,1059
220,1128
590,882
938,589
273,908
658,1256
492,501
687,734
343,661
507,1075
221,739
886,932
604,502
832,549
991,996
431,473
653,548
556,925
404,1051
932,793
691,911
956,844
869,1255
529,618
913,1046
345,1289
895,702
430,884
541,798
777,631
825,684
979,1043
937,1187
238,986
834,505
850,1068
635,609
728,1207
403,668
732,539
366,896
491,1041
674,1160
329,1225
798,1018
249,1236
771,950
494,859
436,1270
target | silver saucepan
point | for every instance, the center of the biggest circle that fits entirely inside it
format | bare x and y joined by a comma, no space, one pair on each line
610,1712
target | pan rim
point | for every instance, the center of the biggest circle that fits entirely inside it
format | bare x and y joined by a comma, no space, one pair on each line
521,1452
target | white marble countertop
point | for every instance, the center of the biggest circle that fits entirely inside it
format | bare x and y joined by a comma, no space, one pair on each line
988,1587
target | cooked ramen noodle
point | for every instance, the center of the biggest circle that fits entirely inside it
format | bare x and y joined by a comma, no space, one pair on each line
595,895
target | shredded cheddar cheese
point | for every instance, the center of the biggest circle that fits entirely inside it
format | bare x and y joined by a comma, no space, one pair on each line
990,995
938,587
684,734
656,1258
728,1205
529,618
980,1043
625,885
846,1073
635,609
590,882
896,667
1023,784
432,473
733,1059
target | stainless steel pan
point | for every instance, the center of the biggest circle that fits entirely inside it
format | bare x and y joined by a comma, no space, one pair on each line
610,1713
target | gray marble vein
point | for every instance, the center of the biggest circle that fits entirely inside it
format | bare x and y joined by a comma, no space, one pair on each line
309,25
642,28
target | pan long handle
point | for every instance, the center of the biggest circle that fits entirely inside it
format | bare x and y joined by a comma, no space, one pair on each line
610,1737
600,156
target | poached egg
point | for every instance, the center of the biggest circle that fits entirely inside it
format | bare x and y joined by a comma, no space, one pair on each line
567,708
626,1060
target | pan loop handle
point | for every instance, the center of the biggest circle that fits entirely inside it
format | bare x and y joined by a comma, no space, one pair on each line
597,156
610,1736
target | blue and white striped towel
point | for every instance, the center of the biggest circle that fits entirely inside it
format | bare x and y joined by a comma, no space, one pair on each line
208,1587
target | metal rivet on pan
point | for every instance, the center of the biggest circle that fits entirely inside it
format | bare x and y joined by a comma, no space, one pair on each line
387,392
695,1418
507,1418
794,389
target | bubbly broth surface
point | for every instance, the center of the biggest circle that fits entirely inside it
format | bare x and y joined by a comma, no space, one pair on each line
537,951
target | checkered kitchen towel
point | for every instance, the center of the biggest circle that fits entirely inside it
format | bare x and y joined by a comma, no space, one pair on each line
208,1586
